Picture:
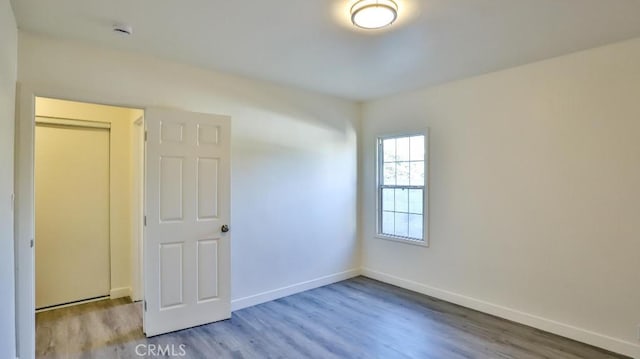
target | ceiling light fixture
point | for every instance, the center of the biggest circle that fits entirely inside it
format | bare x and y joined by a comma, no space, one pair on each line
374,14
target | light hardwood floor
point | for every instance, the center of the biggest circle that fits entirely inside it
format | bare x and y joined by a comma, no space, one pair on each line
357,318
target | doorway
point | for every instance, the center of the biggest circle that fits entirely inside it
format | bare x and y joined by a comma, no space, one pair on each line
88,200
181,173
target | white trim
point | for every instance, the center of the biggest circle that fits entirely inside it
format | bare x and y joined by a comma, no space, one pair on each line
413,242
44,120
245,302
116,293
548,325
426,223
137,169
24,225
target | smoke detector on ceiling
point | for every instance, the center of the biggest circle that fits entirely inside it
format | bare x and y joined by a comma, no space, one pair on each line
123,29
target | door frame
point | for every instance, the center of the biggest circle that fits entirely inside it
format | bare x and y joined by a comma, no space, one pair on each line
25,204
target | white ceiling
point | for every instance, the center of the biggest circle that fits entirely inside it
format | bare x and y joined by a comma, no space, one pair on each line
311,43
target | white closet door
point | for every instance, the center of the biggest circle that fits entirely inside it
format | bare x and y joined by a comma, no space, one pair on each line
72,214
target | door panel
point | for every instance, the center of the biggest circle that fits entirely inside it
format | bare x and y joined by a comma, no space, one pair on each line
207,188
72,214
171,275
171,188
186,254
207,269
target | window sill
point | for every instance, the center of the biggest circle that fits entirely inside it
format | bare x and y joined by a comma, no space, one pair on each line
403,240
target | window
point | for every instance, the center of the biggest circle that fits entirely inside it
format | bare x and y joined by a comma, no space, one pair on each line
402,187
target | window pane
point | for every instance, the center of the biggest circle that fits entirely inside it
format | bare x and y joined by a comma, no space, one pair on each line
415,201
389,149
389,174
402,145
402,173
402,224
416,172
415,226
388,199
417,148
402,200
402,176
387,223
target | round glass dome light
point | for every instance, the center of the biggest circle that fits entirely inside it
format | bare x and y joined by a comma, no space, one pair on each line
374,14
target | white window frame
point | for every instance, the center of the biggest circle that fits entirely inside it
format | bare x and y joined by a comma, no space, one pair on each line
379,186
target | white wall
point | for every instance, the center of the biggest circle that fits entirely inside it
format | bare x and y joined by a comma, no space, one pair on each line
535,194
294,166
8,70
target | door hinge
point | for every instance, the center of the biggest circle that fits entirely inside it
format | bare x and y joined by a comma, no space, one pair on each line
145,221
145,136
31,243
145,305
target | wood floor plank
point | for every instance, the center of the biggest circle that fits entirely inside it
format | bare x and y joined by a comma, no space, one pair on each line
357,318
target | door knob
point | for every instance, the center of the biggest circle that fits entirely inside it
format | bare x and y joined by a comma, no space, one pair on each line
224,228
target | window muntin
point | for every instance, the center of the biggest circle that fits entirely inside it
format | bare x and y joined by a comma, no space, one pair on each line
402,187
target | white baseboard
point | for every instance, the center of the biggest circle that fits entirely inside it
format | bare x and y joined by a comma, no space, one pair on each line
548,325
116,293
240,303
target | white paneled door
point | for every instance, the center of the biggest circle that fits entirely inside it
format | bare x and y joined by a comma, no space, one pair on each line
186,242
